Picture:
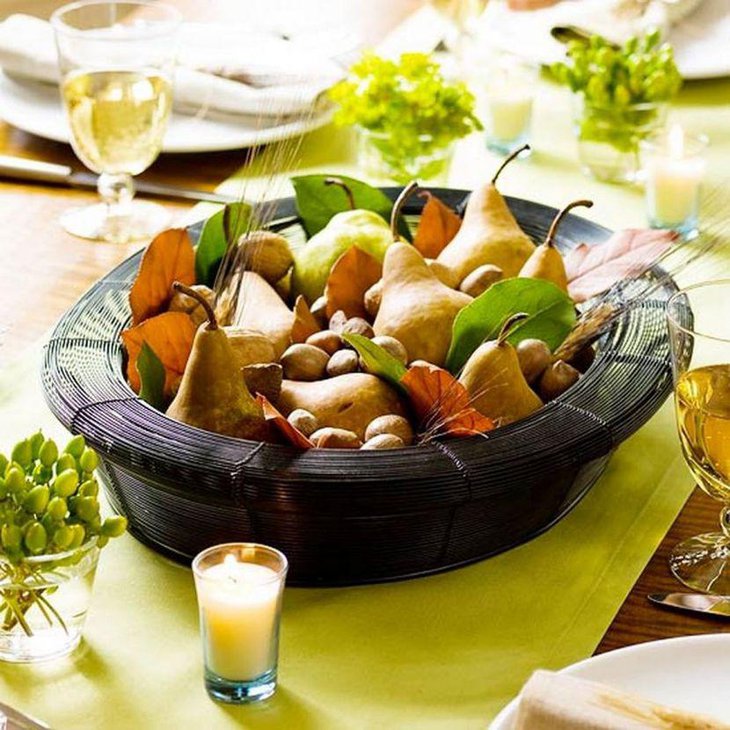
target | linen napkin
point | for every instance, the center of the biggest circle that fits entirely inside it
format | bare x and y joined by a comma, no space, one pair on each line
550,700
224,70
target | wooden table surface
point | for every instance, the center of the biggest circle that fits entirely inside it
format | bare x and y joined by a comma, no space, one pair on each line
45,271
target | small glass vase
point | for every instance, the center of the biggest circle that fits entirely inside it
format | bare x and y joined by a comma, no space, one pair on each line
43,603
609,137
384,161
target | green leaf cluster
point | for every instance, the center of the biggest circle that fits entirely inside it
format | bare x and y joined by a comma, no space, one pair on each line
220,231
377,360
639,72
409,102
551,316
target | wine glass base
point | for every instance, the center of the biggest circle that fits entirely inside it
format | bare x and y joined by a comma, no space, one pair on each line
139,220
702,563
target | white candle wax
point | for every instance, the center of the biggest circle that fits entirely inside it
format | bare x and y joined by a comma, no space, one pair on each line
238,607
509,111
673,189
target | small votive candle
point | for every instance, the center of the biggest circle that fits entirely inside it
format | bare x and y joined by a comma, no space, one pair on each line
505,101
673,169
239,588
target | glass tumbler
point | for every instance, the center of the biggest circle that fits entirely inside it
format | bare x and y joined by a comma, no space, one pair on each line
116,62
699,330
239,588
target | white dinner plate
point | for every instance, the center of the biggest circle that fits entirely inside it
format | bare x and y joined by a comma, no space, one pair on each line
691,673
36,108
701,40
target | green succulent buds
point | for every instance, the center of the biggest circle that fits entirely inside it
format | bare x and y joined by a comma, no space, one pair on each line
76,446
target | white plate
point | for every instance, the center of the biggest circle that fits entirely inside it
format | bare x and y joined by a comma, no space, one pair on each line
690,673
701,41
36,108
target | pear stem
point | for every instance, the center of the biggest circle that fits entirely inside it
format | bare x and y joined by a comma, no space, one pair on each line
509,325
509,159
200,299
400,201
550,239
342,184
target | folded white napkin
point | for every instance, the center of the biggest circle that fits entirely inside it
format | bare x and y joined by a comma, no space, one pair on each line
221,70
550,701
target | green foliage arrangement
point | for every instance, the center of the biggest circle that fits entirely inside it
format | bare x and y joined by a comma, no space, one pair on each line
408,103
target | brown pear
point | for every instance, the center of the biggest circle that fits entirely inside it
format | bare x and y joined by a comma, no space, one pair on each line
260,308
489,234
495,383
213,395
546,261
416,307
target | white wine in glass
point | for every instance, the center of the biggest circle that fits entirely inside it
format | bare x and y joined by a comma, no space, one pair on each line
700,337
116,62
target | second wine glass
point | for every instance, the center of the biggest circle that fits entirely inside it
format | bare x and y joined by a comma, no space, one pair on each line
116,62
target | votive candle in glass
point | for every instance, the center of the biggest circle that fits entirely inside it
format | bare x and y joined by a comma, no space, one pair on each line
673,169
505,95
239,588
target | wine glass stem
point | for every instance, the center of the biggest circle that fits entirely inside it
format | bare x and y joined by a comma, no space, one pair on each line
725,521
116,191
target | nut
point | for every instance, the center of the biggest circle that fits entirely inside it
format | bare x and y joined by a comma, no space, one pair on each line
480,279
392,425
443,273
183,303
250,346
267,253
358,326
326,340
583,359
557,379
335,438
342,362
337,321
304,362
534,357
264,378
303,421
383,441
373,297
392,346
319,310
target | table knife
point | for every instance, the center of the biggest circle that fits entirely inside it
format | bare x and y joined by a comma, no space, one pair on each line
18,720
718,606
19,168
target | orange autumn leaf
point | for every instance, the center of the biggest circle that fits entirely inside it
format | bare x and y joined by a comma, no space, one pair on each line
437,226
290,433
304,322
169,258
170,335
442,403
350,277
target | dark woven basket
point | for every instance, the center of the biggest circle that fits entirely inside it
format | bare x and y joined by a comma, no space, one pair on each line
348,517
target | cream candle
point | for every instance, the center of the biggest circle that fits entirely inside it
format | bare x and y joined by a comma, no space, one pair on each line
509,113
239,589
673,171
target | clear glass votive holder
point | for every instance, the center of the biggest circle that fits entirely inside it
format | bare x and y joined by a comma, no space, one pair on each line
239,588
505,97
673,168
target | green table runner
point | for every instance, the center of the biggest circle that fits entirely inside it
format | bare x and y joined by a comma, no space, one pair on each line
440,652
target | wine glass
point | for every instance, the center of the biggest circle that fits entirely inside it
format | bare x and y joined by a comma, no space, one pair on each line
699,330
116,61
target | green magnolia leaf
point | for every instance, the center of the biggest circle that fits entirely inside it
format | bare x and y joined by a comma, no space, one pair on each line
551,310
152,377
318,202
220,229
378,361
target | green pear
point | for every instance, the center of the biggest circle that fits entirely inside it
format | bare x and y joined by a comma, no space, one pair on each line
416,307
313,260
